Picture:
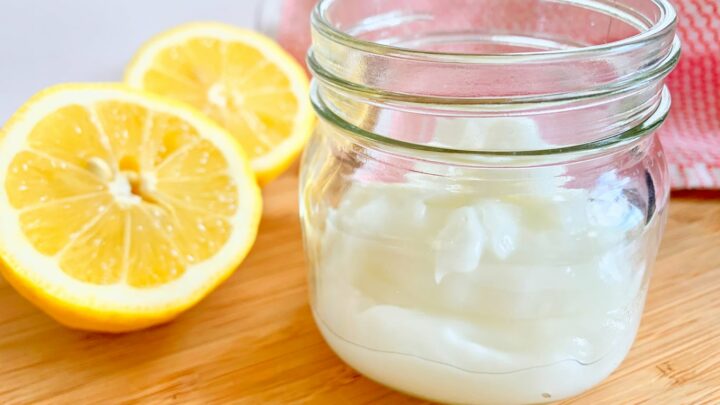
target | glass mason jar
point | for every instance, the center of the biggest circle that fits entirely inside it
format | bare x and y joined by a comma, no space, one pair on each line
485,192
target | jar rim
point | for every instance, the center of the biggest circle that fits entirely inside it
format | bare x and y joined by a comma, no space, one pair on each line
664,25
633,61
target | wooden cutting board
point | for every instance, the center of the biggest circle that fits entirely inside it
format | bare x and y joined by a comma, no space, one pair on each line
253,341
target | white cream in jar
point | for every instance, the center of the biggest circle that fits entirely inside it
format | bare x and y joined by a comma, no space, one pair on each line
497,294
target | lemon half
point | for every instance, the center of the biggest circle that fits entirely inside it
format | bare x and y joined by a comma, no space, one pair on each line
120,209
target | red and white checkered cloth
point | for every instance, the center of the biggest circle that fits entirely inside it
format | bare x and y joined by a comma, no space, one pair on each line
691,135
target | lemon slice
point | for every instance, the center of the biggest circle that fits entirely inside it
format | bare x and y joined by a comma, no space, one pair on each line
120,209
242,80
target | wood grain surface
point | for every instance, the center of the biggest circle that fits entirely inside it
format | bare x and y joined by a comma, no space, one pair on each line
253,341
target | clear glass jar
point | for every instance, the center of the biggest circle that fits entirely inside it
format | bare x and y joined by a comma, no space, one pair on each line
485,193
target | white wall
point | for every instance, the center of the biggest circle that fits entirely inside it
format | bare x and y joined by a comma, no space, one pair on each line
43,42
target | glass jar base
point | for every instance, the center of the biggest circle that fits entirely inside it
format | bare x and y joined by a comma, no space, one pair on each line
446,384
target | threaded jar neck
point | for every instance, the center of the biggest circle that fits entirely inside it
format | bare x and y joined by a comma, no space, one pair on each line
583,71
